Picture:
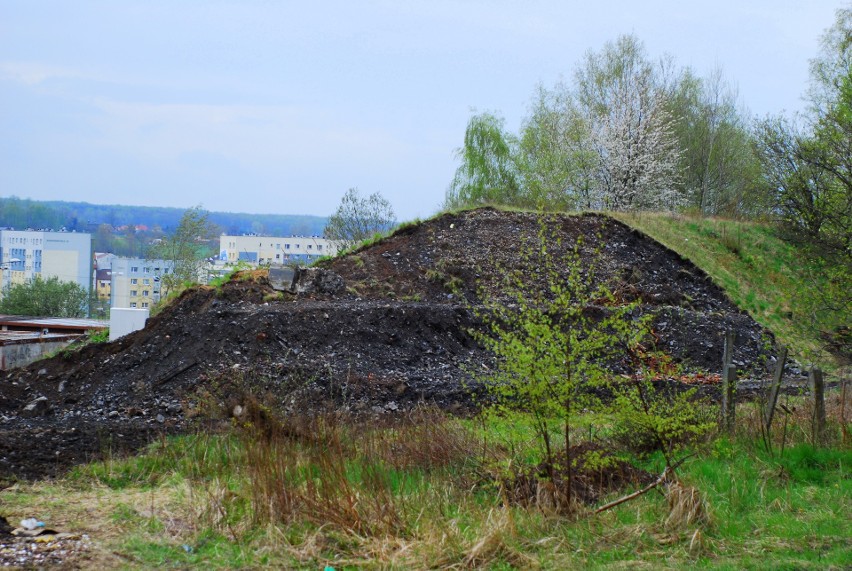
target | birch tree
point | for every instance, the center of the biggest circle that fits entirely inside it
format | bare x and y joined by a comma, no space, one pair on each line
185,249
557,167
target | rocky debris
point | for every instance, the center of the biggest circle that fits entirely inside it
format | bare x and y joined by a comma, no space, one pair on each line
38,407
318,281
23,548
375,332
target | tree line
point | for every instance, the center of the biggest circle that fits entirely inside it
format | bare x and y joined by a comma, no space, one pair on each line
125,230
628,132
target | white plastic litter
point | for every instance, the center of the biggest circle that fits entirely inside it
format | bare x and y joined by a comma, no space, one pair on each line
31,523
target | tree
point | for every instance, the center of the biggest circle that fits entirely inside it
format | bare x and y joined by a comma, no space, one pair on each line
185,249
605,141
358,218
719,167
551,348
45,298
487,174
809,170
631,131
555,164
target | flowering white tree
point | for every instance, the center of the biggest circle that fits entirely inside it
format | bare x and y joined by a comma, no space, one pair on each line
631,131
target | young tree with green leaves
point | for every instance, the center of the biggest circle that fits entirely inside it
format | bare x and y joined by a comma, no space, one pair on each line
552,344
358,218
45,298
186,249
555,164
569,349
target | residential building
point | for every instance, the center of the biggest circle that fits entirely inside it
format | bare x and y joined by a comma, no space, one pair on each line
135,282
25,254
103,273
269,250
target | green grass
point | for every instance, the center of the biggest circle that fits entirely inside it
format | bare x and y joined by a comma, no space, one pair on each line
761,273
199,501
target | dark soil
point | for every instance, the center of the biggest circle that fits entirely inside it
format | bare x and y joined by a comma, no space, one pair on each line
594,473
393,332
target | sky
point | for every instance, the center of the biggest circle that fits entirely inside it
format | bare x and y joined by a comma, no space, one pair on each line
279,107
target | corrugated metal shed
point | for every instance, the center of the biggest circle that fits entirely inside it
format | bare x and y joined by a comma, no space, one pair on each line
51,324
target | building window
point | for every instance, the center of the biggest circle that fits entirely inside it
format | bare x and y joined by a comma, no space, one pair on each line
277,256
132,304
297,246
145,304
144,293
134,292
277,246
134,269
146,281
286,246
319,247
134,281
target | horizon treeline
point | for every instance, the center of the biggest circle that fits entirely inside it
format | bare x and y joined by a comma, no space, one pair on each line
127,230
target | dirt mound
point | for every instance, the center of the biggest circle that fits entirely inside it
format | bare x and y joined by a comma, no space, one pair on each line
395,334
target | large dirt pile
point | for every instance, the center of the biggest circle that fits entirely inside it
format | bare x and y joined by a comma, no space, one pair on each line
393,332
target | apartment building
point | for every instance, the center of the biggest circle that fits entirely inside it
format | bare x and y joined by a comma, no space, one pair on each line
135,282
103,275
25,254
269,250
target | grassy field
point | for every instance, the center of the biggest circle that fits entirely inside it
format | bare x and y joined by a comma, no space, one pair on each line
762,274
428,494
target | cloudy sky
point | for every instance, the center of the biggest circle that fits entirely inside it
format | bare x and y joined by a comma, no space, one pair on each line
271,106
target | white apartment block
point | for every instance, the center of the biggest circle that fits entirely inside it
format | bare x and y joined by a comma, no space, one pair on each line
273,250
135,282
25,254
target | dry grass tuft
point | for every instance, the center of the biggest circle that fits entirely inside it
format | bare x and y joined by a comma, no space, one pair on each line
687,507
494,544
426,439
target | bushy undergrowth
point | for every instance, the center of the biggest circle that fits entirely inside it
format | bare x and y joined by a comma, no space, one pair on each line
430,490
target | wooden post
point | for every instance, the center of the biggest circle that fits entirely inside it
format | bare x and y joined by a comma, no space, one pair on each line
729,382
728,351
776,386
843,408
818,394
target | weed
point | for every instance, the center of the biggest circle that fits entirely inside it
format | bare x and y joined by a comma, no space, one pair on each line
276,296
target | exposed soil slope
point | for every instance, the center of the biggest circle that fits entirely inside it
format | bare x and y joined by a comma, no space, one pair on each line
392,333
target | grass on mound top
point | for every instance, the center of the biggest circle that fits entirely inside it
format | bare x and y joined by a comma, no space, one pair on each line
766,276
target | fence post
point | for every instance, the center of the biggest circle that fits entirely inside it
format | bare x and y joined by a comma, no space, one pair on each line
729,379
776,386
818,394
729,382
728,351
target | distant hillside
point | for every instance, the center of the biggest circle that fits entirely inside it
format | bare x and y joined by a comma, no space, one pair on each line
84,217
